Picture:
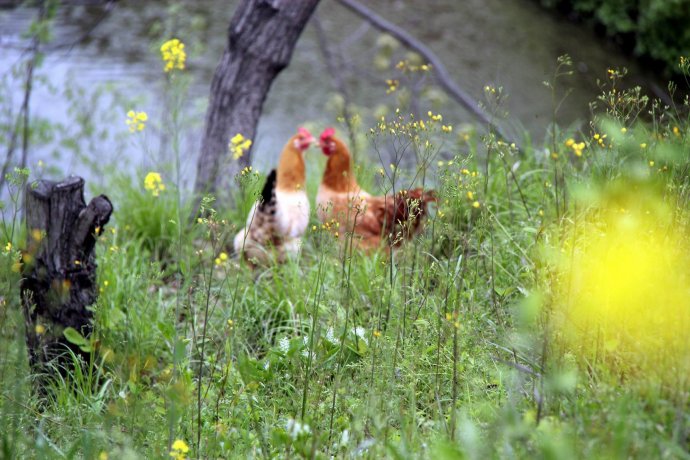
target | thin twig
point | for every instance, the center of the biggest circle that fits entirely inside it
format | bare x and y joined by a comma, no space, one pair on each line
337,79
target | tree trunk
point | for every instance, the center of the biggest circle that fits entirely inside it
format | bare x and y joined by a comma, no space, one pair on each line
59,271
261,38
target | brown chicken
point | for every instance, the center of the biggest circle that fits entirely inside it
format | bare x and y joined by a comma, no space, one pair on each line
372,219
278,220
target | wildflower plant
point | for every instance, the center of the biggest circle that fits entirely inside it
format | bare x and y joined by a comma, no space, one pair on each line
239,145
173,55
136,121
154,183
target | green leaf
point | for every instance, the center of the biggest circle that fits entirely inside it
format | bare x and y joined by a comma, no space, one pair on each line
73,336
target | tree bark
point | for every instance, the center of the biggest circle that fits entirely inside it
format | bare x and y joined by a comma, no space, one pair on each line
261,39
59,265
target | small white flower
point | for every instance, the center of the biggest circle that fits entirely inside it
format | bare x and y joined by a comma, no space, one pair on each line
284,345
296,429
345,437
330,336
305,352
359,332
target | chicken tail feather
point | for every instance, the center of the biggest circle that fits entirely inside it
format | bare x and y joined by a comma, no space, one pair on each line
412,204
268,193
409,209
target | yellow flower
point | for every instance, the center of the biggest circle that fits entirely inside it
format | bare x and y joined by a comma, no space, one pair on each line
676,131
223,256
577,147
377,333
392,86
433,117
643,145
470,195
154,183
180,446
103,456
179,449
8,247
570,142
173,54
40,329
238,145
476,204
136,121
446,129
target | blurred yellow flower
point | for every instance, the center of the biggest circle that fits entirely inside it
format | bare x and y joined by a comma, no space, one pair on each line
179,450
154,183
392,86
136,121
40,329
173,55
622,287
238,145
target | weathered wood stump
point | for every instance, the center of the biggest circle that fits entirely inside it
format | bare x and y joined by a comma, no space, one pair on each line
59,265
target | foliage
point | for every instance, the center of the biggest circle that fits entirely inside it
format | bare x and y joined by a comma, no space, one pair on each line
459,344
656,28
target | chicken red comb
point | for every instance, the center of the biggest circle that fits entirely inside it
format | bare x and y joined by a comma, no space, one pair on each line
327,134
304,132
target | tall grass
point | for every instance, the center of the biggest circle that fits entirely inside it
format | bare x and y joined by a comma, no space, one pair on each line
452,346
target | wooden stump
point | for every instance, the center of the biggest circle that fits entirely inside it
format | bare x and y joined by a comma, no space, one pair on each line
59,265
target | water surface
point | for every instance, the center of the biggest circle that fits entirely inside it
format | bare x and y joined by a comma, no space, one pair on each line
509,43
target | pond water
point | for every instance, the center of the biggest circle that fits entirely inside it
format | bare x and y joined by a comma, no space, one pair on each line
509,43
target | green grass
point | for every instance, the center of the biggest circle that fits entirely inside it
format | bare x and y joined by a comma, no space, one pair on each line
446,349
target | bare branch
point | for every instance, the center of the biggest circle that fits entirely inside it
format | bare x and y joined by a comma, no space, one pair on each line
442,74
